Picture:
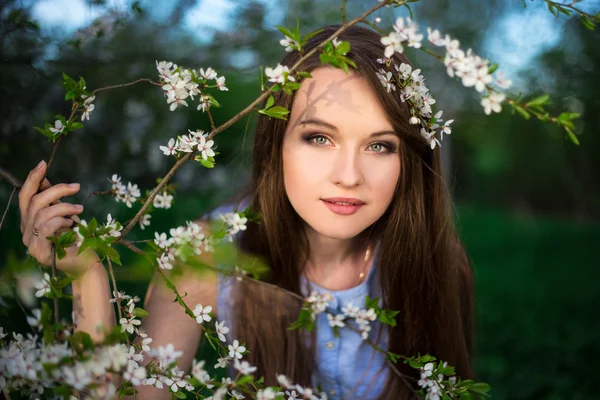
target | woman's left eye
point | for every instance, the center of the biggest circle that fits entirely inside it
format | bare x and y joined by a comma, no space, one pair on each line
381,148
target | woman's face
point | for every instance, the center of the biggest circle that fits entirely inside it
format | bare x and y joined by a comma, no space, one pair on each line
339,147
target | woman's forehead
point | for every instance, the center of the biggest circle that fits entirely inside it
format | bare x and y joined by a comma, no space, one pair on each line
333,95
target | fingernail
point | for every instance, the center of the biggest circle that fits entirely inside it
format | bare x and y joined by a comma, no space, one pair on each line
74,185
79,206
40,165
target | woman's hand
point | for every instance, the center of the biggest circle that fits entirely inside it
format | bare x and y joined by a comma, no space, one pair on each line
43,214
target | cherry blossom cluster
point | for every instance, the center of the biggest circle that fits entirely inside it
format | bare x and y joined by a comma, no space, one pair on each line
182,241
363,318
413,91
110,230
127,194
295,391
88,107
279,74
42,286
234,222
129,322
319,301
194,141
434,388
180,83
31,366
473,71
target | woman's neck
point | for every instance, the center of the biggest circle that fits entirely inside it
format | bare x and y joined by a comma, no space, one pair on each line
338,264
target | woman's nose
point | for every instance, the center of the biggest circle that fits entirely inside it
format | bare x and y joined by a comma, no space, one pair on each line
346,170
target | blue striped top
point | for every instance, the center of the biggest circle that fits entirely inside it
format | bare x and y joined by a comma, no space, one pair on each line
347,367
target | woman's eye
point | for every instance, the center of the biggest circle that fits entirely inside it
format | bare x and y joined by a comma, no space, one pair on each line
318,139
380,148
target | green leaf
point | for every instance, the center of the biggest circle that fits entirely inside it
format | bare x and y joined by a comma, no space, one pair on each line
539,101
244,380
75,125
588,23
572,136
492,68
81,341
140,312
563,10
270,102
313,33
343,48
70,95
113,255
70,82
205,163
63,282
553,9
285,31
304,74
179,394
521,111
277,112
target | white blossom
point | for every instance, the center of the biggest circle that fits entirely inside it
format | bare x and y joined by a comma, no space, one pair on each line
209,74
35,320
337,320
58,127
205,147
166,355
43,286
288,42
163,200
145,221
222,330
221,84
202,313
276,74
129,324
236,350
170,149
266,394
493,103
243,367
222,362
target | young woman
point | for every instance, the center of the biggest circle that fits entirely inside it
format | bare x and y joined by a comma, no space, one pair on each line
352,203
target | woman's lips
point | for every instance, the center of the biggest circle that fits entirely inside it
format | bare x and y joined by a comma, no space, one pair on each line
342,209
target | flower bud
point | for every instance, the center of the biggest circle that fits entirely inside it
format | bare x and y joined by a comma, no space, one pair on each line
414,120
377,20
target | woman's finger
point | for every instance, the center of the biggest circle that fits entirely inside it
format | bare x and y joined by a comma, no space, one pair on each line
48,196
30,188
52,226
39,247
57,210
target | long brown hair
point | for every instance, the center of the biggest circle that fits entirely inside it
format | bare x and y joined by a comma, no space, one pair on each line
423,270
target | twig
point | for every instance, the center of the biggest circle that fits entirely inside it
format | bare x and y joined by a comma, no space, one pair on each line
570,5
212,122
127,84
343,10
374,26
95,193
10,178
7,205
55,298
116,291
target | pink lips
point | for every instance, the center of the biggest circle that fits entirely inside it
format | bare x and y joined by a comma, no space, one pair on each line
352,205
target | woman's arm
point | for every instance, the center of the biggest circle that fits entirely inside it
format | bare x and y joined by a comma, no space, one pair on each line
167,321
91,306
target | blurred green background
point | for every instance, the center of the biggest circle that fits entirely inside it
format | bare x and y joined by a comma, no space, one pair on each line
528,200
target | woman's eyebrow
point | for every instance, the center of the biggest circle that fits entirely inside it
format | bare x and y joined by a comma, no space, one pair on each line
324,124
